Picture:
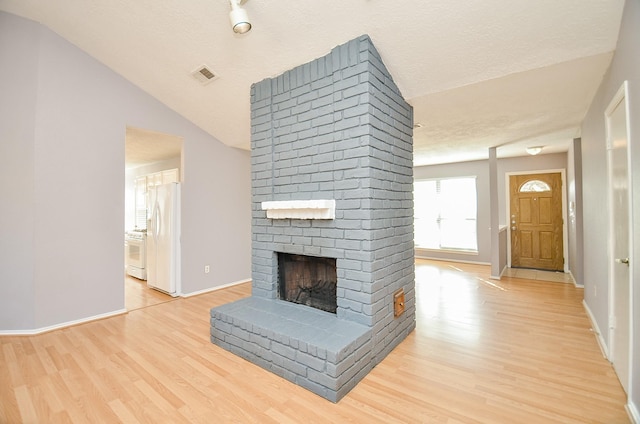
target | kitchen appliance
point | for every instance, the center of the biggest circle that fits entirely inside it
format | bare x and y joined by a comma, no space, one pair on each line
135,254
163,239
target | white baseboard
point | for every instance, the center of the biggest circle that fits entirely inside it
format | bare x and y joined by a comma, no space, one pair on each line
603,346
499,277
430,258
224,286
575,283
33,332
633,412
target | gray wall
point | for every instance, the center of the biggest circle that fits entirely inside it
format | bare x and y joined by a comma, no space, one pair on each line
17,185
625,66
480,169
62,181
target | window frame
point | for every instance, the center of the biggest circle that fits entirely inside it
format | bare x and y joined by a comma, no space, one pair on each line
423,221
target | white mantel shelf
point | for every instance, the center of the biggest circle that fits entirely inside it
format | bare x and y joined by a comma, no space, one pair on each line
300,209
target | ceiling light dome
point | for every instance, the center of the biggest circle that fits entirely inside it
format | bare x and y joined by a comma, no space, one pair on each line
534,150
239,17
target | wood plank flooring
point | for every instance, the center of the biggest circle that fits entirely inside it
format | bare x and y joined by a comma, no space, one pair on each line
137,295
484,351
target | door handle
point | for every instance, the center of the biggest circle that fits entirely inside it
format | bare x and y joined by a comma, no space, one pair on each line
513,228
623,261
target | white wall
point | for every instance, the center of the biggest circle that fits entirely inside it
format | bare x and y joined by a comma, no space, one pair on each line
625,66
62,127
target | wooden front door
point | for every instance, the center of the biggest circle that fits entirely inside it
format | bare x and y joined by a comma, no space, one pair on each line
536,221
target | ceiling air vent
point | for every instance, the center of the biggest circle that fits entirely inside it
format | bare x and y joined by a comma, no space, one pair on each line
204,74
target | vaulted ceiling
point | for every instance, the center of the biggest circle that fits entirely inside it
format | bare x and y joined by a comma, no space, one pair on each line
479,73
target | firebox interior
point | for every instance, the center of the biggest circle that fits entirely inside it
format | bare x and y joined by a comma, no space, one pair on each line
308,280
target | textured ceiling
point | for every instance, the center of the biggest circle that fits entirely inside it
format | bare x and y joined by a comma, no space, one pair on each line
144,147
479,73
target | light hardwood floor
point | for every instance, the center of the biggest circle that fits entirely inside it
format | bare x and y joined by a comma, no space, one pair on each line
137,295
484,351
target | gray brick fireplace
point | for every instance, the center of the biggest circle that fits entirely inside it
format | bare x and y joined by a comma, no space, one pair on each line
332,181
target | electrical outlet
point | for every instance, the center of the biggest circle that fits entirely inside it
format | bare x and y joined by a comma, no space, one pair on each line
206,269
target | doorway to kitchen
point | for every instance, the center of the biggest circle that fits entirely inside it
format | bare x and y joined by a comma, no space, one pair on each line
152,159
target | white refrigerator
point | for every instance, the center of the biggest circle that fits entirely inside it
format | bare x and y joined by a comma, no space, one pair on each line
163,239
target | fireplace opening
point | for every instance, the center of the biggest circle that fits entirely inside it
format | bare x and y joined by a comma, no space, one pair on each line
308,280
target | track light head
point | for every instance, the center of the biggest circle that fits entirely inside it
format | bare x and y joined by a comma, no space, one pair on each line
239,17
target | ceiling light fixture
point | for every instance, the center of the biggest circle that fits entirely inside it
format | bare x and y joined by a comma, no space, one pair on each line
239,18
534,150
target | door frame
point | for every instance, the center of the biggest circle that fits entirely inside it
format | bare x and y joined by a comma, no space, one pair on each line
622,95
565,234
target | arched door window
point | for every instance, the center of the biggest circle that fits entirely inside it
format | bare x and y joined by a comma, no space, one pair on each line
534,186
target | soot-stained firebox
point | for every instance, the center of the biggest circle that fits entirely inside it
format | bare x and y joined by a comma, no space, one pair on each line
308,280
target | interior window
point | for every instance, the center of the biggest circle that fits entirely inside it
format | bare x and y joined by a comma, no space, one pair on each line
445,214
534,186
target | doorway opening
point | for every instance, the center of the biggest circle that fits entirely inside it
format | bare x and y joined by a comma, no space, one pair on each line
151,159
